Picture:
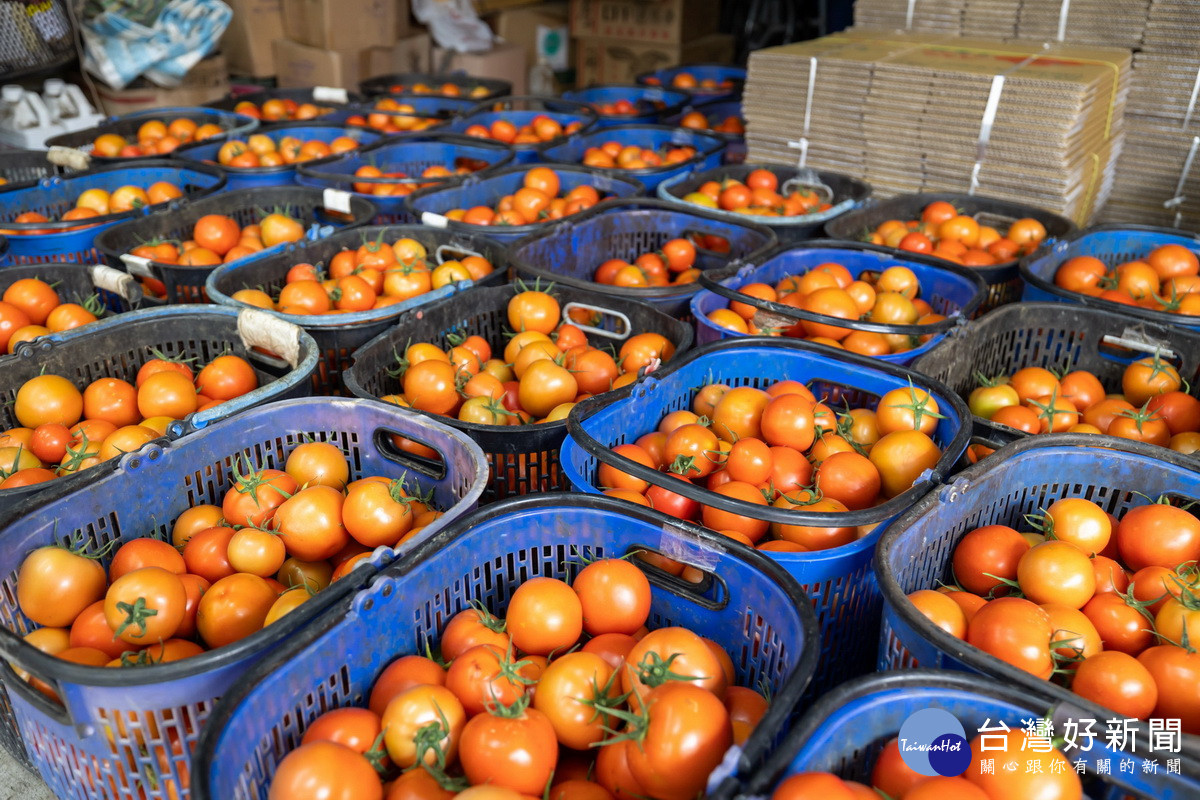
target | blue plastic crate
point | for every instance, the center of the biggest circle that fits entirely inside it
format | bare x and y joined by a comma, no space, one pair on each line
839,581
143,497
339,335
412,156
429,206
701,72
845,731
127,125
55,196
716,111
760,617
651,102
950,289
625,229
284,174
521,111
1022,478
467,87
652,137
1112,244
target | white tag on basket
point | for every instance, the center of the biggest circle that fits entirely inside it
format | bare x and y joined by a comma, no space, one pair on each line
1131,340
336,200
434,220
115,281
330,94
681,545
277,336
69,157
137,265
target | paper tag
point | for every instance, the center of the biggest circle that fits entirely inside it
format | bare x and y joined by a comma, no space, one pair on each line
137,265
1145,345
69,157
330,94
434,220
115,281
336,200
277,336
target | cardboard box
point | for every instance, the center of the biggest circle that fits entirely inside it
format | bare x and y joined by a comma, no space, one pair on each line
483,7
298,65
661,21
247,41
412,54
343,25
207,81
540,30
599,61
504,61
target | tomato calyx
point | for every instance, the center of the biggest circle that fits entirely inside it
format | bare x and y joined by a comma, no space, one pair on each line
510,669
377,755
93,305
248,482
1142,606
487,619
1140,416
984,382
918,406
653,670
1042,522
428,741
136,613
1011,584
140,658
161,356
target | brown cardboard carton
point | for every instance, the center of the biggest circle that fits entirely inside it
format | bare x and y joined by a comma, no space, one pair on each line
505,62
298,65
207,81
599,61
411,54
520,26
483,7
659,21
341,24
247,41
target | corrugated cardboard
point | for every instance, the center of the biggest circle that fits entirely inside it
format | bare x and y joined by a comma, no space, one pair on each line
342,24
298,65
247,41
520,26
411,54
483,7
207,81
599,61
504,61
660,21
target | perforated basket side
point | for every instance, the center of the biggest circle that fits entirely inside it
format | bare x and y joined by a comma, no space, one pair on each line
23,166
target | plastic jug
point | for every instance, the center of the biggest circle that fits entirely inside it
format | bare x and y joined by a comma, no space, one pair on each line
21,110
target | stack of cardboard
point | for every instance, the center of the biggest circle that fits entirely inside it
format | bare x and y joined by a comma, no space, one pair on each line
907,113
330,42
616,40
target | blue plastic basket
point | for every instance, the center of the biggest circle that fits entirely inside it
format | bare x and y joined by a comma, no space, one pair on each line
845,194
950,289
1112,244
570,253
521,111
412,156
701,72
844,732
436,105
317,211
430,205
324,97
339,335
652,102
717,111
652,137
425,118
745,603
284,174
401,84
839,581
55,196
127,125
169,703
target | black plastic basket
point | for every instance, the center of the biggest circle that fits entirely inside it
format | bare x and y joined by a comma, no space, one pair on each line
127,125
25,166
339,335
1003,280
321,96
247,206
75,283
387,84
521,110
523,458
1054,335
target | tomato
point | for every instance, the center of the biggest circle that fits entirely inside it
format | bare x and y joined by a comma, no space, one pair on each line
233,608
324,770
813,786
614,596
720,520
1048,776
469,628
1074,635
255,496
644,352
318,464
55,585
788,420
544,615
1179,410
485,675
48,399
1121,627
941,610
907,409
533,311
90,629
310,523
226,377
901,457
145,606
674,767
1118,682
138,553
1158,535
1079,522
648,663
206,553
401,675
356,728
1177,668
544,386
515,749
376,513
1111,577
940,787
1016,631
737,414
993,550
565,687
1056,572
850,478
257,552
890,774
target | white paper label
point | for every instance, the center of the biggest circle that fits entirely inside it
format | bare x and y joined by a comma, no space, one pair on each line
330,94
337,200
433,220
137,265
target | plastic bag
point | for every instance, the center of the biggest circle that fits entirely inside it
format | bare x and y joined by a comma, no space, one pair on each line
454,25
118,49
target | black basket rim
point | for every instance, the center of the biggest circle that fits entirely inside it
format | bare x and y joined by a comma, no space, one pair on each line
258,96
367,86
866,516
668,110
703,149
860,191
589,116
307,169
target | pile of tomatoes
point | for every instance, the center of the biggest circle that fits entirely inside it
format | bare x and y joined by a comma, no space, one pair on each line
278,537
673,263
279,109
375,275
445,90
218,239
699,121
31,307
686,80
1166,279
100,202
155,137
391,116
757,196
547,367
1105,606
627,108
63,430
889,297
1152,406
436,173
568,696
541,128
945,233
1038,771
261,150
614,155
784,447
537,200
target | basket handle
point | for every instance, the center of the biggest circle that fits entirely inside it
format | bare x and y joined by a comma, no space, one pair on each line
258,328
1134,340
138,265
117,282
621,335
16,653
442,249
69,157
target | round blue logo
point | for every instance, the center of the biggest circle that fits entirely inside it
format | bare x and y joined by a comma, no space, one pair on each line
932,742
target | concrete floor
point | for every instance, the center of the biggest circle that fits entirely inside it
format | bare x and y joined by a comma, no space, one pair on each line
17,783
